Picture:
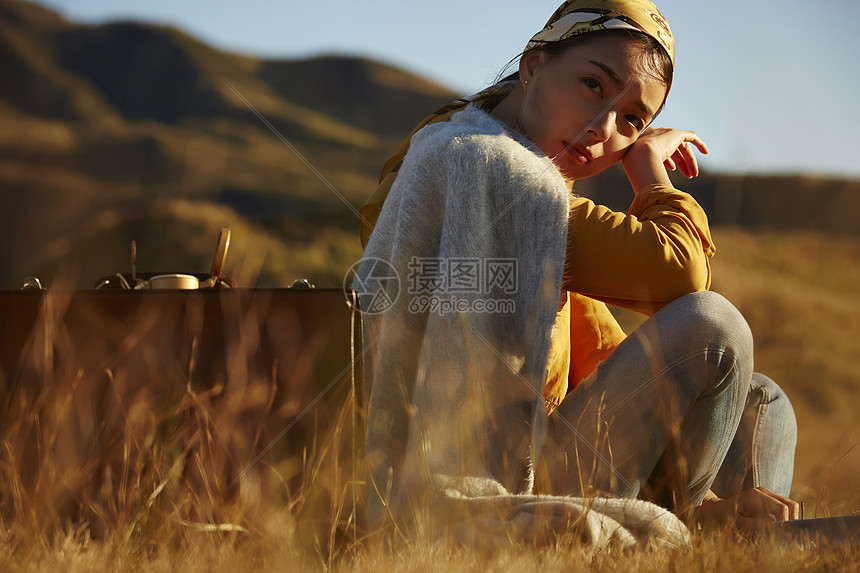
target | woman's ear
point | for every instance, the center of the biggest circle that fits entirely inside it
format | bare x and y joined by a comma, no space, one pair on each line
529,63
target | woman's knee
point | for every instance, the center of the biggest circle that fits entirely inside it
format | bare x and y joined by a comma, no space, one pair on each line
708,320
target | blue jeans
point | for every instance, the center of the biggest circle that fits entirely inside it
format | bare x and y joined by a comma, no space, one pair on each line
675,410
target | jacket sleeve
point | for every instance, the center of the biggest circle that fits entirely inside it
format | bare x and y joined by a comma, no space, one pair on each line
643,260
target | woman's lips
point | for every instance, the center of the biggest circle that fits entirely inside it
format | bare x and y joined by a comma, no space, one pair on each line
577,153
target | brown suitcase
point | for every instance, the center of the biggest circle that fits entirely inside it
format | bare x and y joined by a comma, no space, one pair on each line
215,409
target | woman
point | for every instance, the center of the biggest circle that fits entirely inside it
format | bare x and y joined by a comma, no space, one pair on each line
500,319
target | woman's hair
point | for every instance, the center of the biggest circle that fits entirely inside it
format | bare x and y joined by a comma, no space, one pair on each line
658,62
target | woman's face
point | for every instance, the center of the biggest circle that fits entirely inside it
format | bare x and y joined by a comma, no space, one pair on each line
586,106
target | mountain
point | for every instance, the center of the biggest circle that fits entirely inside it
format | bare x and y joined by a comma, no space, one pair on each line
108,129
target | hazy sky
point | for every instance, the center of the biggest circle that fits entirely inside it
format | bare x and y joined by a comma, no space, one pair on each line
772,86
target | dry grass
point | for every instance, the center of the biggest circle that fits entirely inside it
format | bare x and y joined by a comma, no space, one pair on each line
275,550
127,455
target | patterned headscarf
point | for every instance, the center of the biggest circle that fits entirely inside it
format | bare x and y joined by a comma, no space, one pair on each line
576,17
572,18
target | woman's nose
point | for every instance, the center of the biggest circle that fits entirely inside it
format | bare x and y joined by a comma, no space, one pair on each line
600,128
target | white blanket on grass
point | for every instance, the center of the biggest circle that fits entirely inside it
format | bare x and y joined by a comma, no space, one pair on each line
455,366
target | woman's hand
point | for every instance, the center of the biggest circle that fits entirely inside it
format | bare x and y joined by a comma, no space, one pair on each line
752,510
657,150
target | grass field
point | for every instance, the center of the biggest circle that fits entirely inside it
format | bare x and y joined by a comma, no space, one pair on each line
99,471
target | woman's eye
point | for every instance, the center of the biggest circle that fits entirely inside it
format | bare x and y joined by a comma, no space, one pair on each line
593,85
635,121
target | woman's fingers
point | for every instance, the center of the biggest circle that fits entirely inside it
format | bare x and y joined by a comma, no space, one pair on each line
751,510
677,148
790,509
687,160
684,158
794,511
762,503
698,142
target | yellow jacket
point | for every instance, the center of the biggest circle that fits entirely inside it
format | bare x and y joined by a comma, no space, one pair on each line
641,260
